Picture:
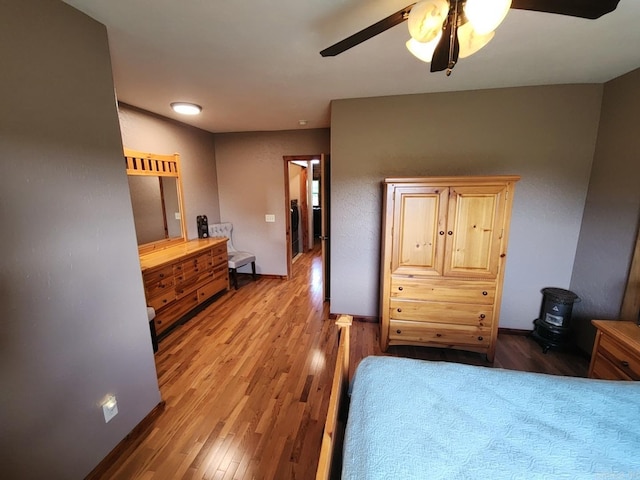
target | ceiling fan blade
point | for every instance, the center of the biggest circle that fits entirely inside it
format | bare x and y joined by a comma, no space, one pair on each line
367,33
591,9
446,51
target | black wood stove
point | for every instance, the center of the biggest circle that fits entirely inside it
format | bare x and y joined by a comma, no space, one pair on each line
552,327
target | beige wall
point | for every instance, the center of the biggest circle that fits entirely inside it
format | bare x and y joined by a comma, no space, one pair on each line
74,321
251,184
147,132
545,134
610,222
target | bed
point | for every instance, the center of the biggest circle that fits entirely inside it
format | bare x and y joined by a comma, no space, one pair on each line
415,419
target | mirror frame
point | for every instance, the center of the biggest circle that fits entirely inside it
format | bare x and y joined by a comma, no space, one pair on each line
158,165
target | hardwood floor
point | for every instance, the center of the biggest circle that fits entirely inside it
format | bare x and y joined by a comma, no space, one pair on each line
246,383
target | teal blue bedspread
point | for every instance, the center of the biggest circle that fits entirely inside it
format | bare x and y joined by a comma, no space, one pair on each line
412,419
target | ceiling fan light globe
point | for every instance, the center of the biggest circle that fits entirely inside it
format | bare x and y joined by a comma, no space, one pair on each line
471,41
423,50
486,15
426,19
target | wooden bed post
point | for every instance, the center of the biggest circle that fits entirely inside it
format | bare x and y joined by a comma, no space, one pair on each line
339,387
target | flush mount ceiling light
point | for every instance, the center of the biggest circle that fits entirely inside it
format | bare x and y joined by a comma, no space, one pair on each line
444,30
186,108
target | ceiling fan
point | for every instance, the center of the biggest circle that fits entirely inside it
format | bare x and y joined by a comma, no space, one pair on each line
442,31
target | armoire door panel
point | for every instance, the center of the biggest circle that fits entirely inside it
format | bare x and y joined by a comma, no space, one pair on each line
474,231
419,231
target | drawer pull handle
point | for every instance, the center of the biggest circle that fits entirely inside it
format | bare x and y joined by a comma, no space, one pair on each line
625,363
438,334
398,331
399,310
400,288
482,315
162,275
164,300
441,232
484,293
480,338
450,232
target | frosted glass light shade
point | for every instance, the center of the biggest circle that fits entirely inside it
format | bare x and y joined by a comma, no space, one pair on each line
186,108
426,19
424,50
471,41
486,15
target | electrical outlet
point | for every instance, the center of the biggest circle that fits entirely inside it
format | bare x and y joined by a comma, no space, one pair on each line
110,408
269,218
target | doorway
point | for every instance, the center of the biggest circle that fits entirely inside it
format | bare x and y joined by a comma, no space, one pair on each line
306,200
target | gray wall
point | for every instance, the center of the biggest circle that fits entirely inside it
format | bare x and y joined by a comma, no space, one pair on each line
251,174
610,221
545,134
147,132
74,325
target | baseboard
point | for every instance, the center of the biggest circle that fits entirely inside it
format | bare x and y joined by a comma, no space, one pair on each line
134,437
276,277
356,318
513,331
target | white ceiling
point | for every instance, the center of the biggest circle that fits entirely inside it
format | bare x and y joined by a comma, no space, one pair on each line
255,65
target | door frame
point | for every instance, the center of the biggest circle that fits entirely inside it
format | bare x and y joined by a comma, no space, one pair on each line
304,209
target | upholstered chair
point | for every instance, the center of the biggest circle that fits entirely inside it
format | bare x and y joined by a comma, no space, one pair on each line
237,258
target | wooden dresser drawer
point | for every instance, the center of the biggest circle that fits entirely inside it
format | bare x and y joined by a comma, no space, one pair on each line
616,351
602,368
159,288
219,250
161,301
424,333
166,317
194,267
455,291
211,288
159,275
439,312
622,358
221,259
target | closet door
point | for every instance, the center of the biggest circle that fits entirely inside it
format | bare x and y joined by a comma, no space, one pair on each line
419,220
474,231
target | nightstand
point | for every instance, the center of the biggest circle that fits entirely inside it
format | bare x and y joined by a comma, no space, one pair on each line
616,351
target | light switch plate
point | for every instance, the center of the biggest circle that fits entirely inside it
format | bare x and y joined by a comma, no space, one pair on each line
269,218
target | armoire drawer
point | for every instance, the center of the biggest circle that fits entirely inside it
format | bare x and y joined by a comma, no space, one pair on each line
441,312
454,291
404,332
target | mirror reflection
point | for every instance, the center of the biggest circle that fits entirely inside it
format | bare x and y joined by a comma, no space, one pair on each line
156,210
156,198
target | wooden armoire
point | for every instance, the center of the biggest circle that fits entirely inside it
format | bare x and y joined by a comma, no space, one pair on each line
444,246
